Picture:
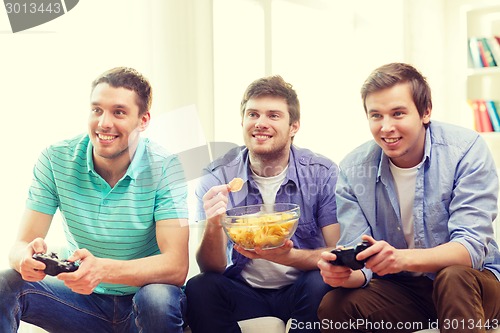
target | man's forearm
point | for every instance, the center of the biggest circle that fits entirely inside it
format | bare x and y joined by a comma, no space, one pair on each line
139,272
303,259
211,255
434,259
16,255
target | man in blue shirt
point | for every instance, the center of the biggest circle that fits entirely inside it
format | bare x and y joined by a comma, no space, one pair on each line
424,195
123,203
236,284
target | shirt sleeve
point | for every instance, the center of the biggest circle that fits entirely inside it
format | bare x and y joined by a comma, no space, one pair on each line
42,194
327,209
473,206
353,223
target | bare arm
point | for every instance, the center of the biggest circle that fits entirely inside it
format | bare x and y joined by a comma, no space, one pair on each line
302,259
331,233
33,229
385,259
169,267
211,254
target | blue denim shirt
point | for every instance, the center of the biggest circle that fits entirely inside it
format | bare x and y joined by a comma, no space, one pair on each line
310,182
456,195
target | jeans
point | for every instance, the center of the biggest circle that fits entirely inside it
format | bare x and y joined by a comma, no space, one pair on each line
460,299
216,303
52,306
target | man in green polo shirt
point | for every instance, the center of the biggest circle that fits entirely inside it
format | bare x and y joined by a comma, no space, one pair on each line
123,203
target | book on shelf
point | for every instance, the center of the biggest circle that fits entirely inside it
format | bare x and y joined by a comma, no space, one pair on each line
474,53
475,112
494,48
482,122
482,53
491,107
487,52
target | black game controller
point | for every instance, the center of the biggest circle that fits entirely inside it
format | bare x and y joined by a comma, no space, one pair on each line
347,256
54,265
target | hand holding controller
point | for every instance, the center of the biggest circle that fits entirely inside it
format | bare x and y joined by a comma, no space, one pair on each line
347,256
54,265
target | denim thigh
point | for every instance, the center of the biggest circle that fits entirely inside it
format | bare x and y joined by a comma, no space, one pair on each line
54,307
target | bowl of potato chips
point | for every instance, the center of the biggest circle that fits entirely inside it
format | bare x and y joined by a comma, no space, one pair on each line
264,226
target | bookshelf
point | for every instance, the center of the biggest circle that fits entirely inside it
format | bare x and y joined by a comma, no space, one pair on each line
481,22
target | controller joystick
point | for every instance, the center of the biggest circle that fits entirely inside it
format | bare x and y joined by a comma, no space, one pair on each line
54,265
346,256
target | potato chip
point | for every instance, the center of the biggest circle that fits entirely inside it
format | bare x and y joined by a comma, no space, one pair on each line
265,231
235,185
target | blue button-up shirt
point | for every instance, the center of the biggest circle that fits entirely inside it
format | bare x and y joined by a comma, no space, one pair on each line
310,182
456,195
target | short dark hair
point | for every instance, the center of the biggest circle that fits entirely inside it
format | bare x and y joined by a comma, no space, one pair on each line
391,74
273,86
129,78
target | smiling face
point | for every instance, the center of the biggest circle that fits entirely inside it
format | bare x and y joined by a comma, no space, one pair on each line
396,124
114,123
267,131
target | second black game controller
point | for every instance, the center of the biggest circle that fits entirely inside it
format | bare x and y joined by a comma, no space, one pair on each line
346,256
54,265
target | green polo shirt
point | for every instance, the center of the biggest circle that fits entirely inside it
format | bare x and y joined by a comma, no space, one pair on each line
118,222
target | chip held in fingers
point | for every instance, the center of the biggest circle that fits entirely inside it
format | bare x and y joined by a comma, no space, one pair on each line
235,185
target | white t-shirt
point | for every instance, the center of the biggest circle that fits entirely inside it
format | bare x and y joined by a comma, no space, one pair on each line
260,273
405,179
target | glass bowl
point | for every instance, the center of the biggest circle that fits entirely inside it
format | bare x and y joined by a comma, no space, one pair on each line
265,226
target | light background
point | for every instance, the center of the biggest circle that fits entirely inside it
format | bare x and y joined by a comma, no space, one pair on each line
200,55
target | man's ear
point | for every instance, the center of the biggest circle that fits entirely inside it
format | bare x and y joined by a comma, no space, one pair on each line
294,128
145,119
426,118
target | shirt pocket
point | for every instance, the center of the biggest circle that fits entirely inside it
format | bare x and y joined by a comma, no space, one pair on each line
436,220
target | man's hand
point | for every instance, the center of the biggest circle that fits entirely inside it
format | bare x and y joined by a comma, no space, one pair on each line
89,274
383,258
30,269
333,275
215,201
277,255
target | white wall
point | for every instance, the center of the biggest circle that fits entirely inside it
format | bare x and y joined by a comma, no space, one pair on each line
324,48
47,71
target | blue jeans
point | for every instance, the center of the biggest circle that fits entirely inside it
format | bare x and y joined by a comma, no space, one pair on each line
50,305
216,303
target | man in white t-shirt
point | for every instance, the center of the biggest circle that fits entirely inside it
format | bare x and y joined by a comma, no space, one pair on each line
424,195
236,284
